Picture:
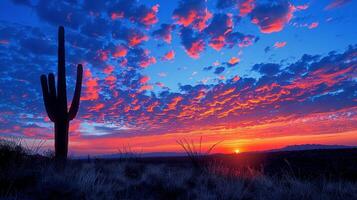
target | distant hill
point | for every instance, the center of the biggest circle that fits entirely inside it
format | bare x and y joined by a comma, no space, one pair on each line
310,147
140,155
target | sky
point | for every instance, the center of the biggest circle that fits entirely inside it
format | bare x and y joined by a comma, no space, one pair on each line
251,74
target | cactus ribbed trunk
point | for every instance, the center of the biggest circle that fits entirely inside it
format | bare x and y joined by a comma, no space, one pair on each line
56,101
61,139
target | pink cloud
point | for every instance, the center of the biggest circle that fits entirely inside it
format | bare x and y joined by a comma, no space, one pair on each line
336,4
313,25
272,18
280,44
245,7
144,79
120,51
195,49
169,55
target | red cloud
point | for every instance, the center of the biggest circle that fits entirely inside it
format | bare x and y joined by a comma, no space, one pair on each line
169,55
147,60
246,6
120,51
150,17
135,39
192,12
195,48
144,79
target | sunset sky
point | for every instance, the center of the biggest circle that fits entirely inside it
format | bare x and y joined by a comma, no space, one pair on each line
254,74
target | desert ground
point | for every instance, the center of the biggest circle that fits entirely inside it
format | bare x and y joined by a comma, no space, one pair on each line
313,174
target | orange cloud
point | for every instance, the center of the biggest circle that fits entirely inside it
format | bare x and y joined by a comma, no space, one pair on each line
91,91
234,60
97,107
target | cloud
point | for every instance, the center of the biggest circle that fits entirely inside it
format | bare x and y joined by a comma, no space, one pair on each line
219,34
119,51
245,6
311,85
280,44
192,13
313,25
117,99
336,4
268,69
164,32
233,61
219,70
169,55
272,17
193,45
220,26
133,11
144,79
132,36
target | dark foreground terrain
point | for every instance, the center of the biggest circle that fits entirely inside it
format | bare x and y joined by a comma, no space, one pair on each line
314,174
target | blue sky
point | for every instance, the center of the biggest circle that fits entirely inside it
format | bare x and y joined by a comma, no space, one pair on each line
293,61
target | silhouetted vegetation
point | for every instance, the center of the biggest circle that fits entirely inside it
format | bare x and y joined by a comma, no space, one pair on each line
56,101
27,175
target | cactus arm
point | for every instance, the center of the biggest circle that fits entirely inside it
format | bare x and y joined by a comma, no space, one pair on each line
77,94
61,82
46,99
52,86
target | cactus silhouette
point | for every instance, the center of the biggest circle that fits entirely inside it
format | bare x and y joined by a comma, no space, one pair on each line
56,101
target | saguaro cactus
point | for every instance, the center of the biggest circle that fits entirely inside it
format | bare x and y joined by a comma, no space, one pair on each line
56,101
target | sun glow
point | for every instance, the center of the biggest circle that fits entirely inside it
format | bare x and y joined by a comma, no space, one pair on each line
236,151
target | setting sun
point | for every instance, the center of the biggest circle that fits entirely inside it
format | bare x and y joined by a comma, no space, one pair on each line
236,151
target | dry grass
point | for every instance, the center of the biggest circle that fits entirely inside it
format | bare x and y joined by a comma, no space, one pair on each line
32,177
